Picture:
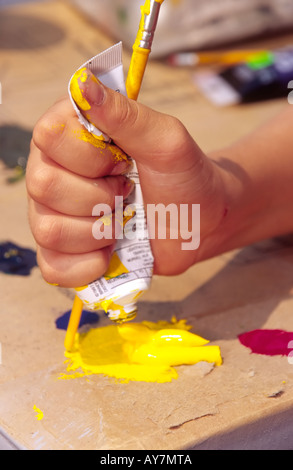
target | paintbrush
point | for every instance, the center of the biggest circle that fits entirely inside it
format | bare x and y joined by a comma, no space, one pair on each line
141,50
73,324
142,46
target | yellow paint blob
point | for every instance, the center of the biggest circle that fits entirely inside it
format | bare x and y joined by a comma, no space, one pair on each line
98,142
110,304
116,267
79,289
40,414
75,90
143,351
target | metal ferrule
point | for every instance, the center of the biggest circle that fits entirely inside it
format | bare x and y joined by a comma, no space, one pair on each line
149,26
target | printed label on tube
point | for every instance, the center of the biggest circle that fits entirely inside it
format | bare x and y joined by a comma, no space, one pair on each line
131,266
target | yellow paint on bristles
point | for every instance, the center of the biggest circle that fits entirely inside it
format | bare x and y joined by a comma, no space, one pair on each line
73,323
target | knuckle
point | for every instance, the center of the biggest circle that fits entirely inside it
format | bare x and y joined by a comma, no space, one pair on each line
46,131
48,272
176,135
126,113
40,182
42,133
48,232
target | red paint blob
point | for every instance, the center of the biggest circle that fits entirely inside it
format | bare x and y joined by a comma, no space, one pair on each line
268,342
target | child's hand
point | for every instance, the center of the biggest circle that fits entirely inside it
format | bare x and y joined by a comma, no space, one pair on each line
68,174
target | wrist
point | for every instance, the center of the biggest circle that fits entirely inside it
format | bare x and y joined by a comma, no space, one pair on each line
254,207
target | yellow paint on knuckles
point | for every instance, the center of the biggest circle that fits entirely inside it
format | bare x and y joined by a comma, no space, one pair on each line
99,143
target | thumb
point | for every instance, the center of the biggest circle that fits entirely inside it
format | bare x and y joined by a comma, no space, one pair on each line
153,139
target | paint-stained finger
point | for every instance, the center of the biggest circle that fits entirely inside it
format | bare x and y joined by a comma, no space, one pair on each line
60,136
68,193
155,140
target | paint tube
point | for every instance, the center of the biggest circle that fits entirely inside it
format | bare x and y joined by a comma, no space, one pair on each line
131,265
263,77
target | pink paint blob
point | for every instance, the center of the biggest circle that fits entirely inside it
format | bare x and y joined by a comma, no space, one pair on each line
268,342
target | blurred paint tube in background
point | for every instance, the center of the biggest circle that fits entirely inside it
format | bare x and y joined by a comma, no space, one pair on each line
262,77
131,266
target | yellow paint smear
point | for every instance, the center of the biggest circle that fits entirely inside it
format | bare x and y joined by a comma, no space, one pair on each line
40,414
75,90
79,289
139,57
143,351
116,267
145,11
98,142
58,127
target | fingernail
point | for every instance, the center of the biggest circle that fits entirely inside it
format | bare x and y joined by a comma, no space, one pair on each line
94,90
128,188
86,89
75,89
121,167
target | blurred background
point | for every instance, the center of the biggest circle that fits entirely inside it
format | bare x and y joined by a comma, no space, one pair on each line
43,42
192,24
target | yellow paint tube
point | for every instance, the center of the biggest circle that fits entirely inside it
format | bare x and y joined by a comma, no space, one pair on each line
131,266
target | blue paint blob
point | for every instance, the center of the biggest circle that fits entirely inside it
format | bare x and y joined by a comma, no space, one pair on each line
87,318
16,260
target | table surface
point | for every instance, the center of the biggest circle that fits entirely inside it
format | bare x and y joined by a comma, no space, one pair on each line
247,402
